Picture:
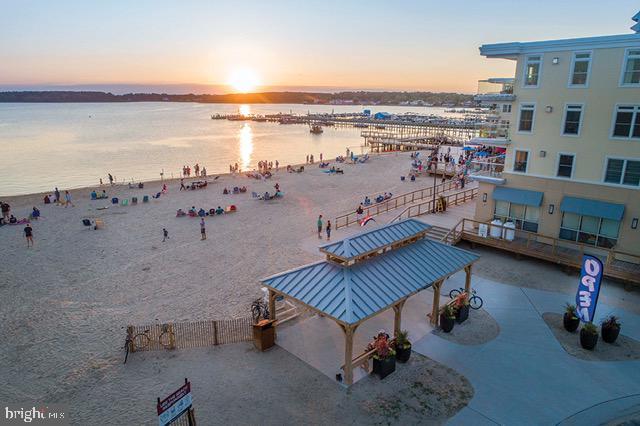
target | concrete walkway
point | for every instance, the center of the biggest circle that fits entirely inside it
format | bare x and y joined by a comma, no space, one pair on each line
524,376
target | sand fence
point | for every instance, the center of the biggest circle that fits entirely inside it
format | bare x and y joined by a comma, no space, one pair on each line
183,335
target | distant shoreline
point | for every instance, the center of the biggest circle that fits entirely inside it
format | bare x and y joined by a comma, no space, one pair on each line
304,98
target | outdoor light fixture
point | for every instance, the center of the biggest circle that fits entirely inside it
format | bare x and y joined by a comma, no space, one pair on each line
551,207
484,200
634,223
555,61
548,108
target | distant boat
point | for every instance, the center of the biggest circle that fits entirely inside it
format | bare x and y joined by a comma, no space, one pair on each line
218,117
316,130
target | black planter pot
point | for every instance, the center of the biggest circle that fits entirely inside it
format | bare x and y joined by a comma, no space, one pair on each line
462,313
570,322
446,323
384,367
588,340
403,354
610,334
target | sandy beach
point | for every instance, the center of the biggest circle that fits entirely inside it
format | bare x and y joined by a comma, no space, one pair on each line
68,300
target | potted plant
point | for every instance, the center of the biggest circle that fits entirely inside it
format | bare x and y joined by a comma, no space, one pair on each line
569,319
462,308
384,357
447,319
589,336
610,329
403,346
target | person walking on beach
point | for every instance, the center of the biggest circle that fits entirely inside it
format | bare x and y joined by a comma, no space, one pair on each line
203,231
182,185
204,171
28,234
110,179
321,157
6,208
328,229
67,199
359,212
320,227
277,165
307,158
57,196
165,234
196,169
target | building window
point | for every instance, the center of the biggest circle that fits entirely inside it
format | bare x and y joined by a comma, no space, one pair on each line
527,114
581,65
506,108
622,172
521,161
524,217
627,122
572,120
631,68
565,165
532,68
590,230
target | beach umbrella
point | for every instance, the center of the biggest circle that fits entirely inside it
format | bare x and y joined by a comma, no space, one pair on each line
468,148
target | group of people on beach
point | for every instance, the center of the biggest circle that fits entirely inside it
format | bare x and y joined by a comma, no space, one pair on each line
266,166
197,171
311,159
327,228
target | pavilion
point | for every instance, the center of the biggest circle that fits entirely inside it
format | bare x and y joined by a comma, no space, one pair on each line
370,272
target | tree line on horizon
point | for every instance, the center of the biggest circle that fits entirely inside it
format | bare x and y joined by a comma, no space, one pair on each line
359,97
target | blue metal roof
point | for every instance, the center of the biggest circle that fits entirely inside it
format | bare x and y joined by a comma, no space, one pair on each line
352,293
587,207
375,239
518,196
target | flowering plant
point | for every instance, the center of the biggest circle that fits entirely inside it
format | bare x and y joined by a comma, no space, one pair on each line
382,347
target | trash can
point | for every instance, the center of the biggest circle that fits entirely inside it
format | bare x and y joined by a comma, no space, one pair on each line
264,334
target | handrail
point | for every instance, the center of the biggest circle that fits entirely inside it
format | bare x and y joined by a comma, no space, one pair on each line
454,239
555,244
393,203
451,199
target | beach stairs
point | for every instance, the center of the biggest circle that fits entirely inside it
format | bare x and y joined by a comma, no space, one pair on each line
437,233
286,311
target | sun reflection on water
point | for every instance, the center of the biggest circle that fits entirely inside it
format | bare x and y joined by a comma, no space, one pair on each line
246,145
245,110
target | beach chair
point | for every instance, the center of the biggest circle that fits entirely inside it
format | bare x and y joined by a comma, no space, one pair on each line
114,200
125,202
401,178
134,200
98,224
157,195
145,199
256,196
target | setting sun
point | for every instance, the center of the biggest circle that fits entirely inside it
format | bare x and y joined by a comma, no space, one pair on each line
244,80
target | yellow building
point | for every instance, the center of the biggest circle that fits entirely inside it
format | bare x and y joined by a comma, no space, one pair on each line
570,123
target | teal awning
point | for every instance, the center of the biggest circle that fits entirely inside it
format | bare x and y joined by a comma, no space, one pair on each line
597,208
518,196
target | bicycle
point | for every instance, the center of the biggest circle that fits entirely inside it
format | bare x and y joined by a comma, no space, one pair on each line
259,309
141,341
475,301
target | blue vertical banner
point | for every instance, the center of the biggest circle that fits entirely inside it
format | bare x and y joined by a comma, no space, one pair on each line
589,288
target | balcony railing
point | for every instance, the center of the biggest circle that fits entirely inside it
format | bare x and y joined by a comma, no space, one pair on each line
496,86
488,169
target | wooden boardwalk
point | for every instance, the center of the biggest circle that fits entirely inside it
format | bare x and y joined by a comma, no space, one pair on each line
618,265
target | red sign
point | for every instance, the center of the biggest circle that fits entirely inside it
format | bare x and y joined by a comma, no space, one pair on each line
166,403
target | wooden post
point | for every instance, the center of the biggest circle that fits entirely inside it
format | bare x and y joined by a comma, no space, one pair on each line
348,354
272,305
435,314
397,321
467,280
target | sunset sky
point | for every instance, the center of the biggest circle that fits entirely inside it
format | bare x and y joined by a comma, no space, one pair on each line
422,45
